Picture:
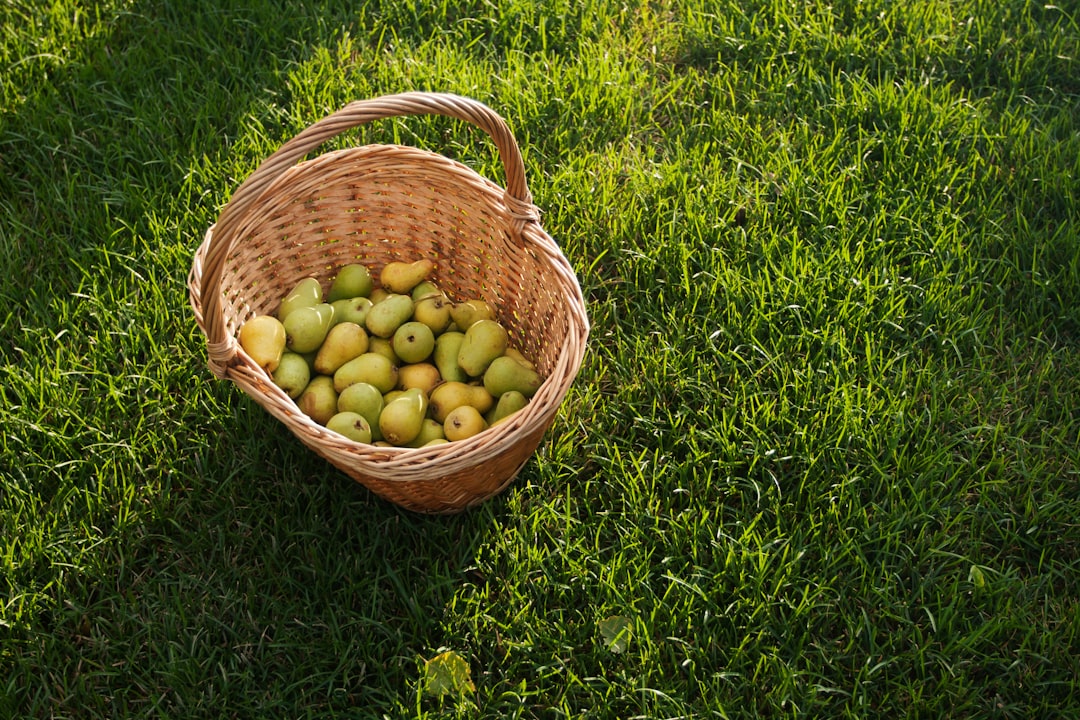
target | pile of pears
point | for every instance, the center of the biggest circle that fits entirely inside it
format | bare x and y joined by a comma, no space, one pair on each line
394,363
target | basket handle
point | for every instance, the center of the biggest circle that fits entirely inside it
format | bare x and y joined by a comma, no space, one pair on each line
359,112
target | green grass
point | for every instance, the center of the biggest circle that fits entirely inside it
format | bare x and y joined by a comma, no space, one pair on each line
823,451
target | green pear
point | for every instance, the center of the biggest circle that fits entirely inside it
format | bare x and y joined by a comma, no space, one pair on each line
344,342
351,281
263,338
352,425
306,327
506,374
426,289
292,374
429,430
449,396
413,342
463,422
402,418
402,277
433,311
306,293
309,357
509,403
385,317
371,368
378,295
466,313
319,399
445,356
365,399
384,347
353,310
484,341
435,441
419,375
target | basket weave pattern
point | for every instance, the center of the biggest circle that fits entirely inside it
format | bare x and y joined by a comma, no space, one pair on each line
375,204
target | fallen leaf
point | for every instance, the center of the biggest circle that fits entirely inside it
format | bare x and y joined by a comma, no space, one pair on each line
447,673
616,631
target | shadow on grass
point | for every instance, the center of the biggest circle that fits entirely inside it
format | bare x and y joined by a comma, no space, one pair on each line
244,572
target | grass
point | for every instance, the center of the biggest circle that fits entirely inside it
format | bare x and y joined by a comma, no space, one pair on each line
823,452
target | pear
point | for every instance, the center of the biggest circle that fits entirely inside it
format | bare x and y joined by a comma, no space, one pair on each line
445,356
385,317
352,425
426,289
263,338
319,399
384,347
429,430
378,295
306,293
466,313
484,341
463,422
365,399
353,310
516,354
343,343
413,342
292,374
392,396
419,375
433,311
402,277
435,441
306,327
509,403
506,374
351,281
371,368
402,418
451,395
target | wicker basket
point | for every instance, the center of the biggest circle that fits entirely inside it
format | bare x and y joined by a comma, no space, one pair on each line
294,218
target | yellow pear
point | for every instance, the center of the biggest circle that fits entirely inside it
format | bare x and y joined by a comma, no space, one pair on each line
449,396
319,399
344,342
433,311
419,375
463,422
402,419
263,338
402,277
466,313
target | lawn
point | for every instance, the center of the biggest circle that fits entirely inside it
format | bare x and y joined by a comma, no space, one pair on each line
822,458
